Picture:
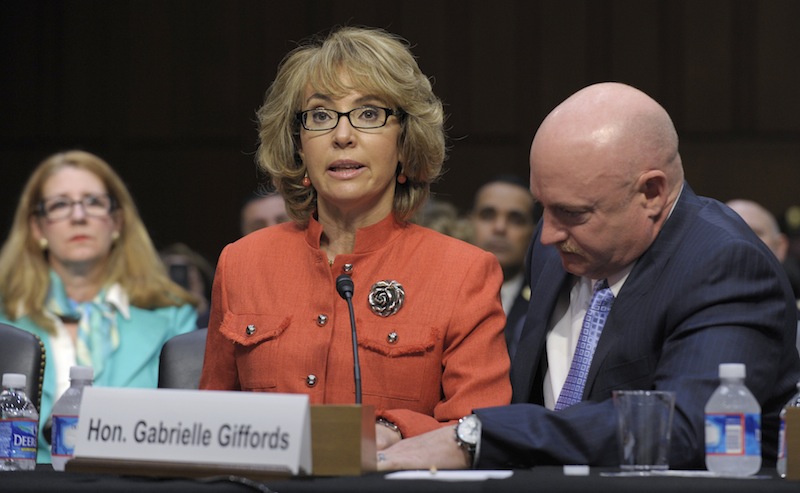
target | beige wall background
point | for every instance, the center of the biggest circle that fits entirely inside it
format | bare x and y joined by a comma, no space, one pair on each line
166,91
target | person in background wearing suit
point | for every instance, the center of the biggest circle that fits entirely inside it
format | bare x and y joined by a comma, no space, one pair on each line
352,136
79,271
442,216
262,209
503,220
765,226
684,284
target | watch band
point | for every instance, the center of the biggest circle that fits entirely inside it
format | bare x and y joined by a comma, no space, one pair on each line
385,422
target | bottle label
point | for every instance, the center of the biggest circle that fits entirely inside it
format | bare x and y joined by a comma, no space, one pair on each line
733,434
18,438
65,433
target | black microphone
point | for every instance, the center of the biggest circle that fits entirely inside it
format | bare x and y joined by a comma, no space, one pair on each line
344,286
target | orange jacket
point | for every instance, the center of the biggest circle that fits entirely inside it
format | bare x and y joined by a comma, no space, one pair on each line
440,355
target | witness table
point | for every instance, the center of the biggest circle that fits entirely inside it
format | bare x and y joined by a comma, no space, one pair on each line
538,479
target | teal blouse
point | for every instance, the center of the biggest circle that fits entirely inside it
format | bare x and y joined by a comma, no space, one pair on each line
133,364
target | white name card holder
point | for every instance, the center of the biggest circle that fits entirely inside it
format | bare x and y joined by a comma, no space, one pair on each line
162,432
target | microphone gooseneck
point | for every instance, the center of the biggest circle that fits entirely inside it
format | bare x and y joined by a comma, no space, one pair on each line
345,287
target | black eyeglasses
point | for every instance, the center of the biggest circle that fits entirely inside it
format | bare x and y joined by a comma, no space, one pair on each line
58,208
363,117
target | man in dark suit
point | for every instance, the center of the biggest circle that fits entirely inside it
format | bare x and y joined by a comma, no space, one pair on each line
503,220
693,287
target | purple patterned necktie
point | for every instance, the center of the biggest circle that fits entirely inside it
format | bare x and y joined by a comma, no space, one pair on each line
593,322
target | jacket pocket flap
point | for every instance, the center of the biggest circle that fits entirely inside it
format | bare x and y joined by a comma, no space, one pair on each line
401,341
249,329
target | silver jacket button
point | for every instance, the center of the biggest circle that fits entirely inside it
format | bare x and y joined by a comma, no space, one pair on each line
347,267
322,319
250,329
391,338
311,380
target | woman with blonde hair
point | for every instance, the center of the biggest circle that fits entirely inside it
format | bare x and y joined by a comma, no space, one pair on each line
352,136
80,271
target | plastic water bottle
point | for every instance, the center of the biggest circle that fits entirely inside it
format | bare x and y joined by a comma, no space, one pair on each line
65,416
733,425
19,426
793,402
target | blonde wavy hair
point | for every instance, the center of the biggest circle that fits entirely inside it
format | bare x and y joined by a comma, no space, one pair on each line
374,62
133,261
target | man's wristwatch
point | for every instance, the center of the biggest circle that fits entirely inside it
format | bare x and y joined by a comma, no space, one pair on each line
468,436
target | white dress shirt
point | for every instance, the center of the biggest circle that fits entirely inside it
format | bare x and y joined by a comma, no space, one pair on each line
509,291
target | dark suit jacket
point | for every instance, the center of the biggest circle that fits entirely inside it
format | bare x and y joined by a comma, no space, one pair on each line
515,319
706,292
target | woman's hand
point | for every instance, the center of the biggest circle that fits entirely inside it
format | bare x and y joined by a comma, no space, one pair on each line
385,437
435,449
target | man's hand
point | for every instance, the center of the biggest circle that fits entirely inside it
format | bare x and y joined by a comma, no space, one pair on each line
435,449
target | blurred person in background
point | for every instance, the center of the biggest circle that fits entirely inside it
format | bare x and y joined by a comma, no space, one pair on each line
80,271
262,209
191,271
442,216
766,227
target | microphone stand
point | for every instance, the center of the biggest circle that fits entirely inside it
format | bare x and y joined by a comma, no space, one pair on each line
344,286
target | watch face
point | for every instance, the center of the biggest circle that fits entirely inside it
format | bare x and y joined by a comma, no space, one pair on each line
468,430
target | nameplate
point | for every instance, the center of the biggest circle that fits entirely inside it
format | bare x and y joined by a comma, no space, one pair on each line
252,430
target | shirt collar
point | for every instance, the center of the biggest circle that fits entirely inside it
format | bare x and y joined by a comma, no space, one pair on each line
616,280
509,291
117,296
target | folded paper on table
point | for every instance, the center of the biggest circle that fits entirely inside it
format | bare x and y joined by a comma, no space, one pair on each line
450,475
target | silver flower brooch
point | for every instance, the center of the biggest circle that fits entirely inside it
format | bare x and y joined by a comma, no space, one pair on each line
386,297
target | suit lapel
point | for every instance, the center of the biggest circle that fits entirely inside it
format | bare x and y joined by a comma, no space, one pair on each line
516,317
548,280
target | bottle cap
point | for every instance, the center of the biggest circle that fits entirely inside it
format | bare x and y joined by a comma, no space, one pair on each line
81,373
14,380
731,370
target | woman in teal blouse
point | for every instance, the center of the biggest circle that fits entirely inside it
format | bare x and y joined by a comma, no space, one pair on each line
80,271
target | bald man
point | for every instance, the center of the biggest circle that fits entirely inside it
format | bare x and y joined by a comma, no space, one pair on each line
690,287
763,224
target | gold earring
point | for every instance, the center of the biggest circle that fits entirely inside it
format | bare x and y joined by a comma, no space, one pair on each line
306,181
115,235
43,244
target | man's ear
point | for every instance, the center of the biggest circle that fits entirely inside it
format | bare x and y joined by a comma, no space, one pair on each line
653,187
